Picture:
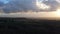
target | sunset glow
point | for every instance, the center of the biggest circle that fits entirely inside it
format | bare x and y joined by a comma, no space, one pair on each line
58,12
30,8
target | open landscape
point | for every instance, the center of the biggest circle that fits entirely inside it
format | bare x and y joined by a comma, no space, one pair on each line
28,26
29,16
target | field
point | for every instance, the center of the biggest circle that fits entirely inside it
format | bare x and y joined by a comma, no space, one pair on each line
28,26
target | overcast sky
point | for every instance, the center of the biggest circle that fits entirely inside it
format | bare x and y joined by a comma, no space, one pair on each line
9,6
15,7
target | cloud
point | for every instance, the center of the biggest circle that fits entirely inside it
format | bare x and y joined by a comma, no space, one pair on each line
26,5
53,4
58,1
1,4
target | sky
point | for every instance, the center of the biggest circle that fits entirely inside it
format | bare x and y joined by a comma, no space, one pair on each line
29,8
9,6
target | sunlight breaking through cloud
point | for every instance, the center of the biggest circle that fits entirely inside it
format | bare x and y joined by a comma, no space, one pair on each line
30,8
41,5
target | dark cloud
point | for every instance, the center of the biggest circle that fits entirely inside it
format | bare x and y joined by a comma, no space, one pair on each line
26,5
19,5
